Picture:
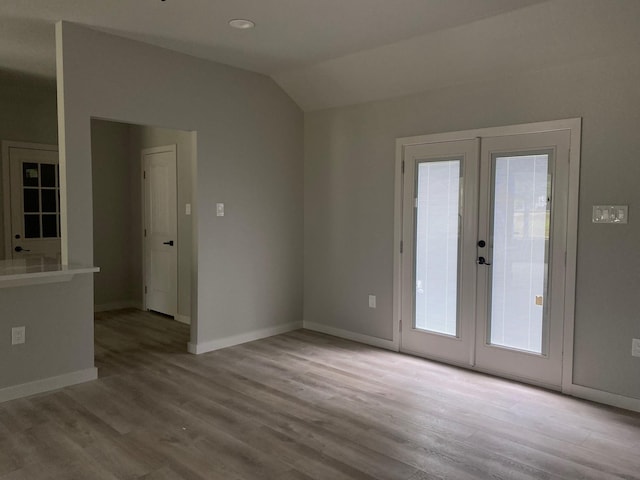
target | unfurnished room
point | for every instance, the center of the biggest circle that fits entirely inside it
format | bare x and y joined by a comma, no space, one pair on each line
319,239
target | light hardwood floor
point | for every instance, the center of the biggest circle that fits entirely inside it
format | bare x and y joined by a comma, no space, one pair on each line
300,406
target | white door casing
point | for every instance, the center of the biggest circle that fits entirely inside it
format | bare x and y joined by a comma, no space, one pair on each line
470,347
160,240
31,201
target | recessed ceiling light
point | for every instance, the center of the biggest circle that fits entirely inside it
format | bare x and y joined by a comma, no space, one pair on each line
241,23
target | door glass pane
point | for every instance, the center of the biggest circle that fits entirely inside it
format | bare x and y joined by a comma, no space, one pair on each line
437,239
32,226
48,172
521,222
31,201
30,174
49,200
49,226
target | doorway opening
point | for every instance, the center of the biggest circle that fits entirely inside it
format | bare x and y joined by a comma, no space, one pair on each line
486,266
142,224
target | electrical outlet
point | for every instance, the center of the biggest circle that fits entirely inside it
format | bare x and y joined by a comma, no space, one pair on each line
635,347
372,301
18,335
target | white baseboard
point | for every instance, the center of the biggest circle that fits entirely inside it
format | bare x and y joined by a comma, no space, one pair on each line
47,384
600,396
183,319
120,305
356,337
210,346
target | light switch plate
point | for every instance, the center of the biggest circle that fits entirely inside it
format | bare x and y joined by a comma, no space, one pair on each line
610,214
220,209
187,209
17,335
635,347
372,301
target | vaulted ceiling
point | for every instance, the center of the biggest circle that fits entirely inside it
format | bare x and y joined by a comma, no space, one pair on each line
328,53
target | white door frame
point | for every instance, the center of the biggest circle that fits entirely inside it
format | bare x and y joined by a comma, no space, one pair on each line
143,152
7,145
574,126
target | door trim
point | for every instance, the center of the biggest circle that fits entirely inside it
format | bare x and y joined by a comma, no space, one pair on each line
146,151
574,125
7,145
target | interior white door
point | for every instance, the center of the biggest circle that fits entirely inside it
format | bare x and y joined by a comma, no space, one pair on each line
34,203
160,234
484,241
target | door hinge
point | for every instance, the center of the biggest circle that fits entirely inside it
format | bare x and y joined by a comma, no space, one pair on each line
145,289
400,326
144,174
401,246
145,232
403,166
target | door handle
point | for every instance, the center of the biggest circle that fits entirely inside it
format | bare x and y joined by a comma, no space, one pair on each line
170,243
482,261
20,249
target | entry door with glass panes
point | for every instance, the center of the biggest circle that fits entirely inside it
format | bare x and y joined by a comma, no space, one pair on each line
35,203
483,273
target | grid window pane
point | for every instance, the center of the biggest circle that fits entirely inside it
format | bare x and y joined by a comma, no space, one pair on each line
49,200
31,202
30,174
48,175
32,226
49,226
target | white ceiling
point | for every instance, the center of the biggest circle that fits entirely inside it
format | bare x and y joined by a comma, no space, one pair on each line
334,52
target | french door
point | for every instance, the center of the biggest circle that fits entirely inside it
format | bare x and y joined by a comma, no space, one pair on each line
483,263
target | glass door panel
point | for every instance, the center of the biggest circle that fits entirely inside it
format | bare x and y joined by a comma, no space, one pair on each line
484,232
438,263
519,275
520,288
437,246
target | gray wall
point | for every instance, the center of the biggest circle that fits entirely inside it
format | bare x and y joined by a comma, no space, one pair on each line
56,343
248,273
27,114
349,195
114,201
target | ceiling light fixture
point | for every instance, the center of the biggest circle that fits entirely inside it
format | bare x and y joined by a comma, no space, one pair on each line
241,23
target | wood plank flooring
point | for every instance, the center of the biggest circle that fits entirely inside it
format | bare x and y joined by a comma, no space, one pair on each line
301,406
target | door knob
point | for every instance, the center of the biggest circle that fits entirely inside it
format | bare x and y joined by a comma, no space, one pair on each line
482,261
20,249
482,243
170,243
